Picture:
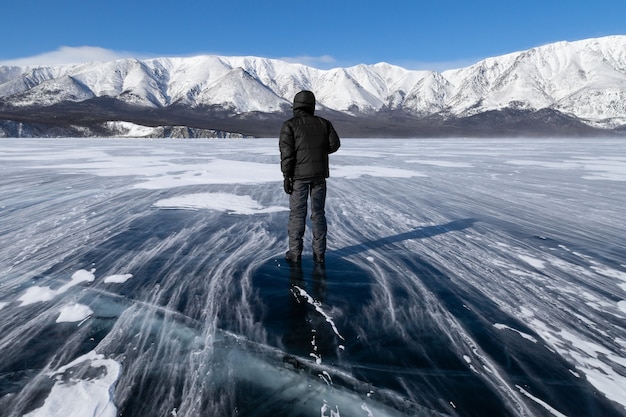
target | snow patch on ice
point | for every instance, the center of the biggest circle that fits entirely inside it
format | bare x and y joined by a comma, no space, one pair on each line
544,164
37,294
363,154
77,397
166,171
610,272
230,203
216,171
524,335
163,171
526,313
318,307
41,294
469,362
74,313
622,305
596,361
534,262
117,279
609,169
443,164
356,171
3,305
542,403
327,411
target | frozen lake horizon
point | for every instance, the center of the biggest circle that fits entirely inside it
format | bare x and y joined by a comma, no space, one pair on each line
464,277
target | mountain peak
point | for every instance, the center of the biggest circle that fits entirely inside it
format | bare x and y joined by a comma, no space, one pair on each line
583,79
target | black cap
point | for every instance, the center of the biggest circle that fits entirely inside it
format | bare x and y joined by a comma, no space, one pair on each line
304,100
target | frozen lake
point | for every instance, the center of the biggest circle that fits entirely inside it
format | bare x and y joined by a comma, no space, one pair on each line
464,278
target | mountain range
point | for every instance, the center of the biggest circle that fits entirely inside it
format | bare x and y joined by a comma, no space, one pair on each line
561,89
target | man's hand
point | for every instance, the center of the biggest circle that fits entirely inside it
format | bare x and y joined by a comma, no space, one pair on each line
288,185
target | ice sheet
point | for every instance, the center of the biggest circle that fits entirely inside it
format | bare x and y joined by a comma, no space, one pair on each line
468,277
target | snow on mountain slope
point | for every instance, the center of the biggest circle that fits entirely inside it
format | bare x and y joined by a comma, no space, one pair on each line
585,79
65,88
240,92
19,80
428,95
340,89
103,80
189,76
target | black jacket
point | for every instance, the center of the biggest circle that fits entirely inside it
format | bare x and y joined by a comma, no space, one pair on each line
306,141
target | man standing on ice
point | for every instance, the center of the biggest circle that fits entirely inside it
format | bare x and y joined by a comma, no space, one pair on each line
305,142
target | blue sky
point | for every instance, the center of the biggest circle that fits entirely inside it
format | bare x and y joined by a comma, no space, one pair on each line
434,34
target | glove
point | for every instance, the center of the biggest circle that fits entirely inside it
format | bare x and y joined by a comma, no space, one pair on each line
288,185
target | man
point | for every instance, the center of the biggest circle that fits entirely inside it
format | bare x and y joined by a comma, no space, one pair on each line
305,142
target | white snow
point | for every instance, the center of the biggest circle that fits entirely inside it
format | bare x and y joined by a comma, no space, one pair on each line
544,404
356,171
117,279
318,307
230,203
74,313
39,294
163,171
468,359
76,397
440,163
610,272
591,358
608,168
524,335
537,263
611,169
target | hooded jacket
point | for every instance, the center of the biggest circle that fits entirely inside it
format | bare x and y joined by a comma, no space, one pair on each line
306,141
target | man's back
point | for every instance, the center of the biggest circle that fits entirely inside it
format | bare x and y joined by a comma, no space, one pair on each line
305,142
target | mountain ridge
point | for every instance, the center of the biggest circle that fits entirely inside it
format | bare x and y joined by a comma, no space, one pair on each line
584,82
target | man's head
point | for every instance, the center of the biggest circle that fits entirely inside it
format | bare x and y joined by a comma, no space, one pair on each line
304,100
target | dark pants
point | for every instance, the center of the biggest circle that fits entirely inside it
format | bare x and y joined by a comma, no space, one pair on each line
297,215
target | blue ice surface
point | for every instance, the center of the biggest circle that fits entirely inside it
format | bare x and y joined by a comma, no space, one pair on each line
463,277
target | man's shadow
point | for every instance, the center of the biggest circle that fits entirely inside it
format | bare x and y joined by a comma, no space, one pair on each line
419,233
289,293
430,363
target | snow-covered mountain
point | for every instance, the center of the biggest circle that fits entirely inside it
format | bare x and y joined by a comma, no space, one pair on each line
583,81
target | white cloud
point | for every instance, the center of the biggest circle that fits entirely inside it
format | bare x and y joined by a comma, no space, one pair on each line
328,62
321,62
77,55
81,54
70,55
435,66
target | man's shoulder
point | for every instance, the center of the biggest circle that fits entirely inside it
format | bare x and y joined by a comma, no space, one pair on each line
309,118
293,120
324,120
